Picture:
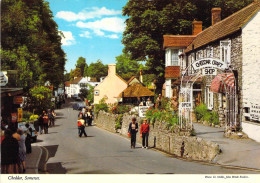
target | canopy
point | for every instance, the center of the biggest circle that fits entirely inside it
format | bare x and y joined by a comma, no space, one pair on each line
222,83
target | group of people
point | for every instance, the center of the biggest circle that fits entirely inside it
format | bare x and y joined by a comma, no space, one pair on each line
84,117
46,120
144,132
15,144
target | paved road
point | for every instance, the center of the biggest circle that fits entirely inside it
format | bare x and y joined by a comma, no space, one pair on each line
103,152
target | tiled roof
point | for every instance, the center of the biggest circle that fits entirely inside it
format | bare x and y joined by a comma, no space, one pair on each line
177,40
225,27
76,81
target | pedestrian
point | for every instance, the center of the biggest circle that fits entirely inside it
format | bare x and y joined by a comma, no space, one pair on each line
89,117
9,154
41,124
52,118
144,133
22,150
45,123
81,125
133,129
28,139
159,101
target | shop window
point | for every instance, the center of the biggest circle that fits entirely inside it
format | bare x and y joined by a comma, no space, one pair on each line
225,49
209,52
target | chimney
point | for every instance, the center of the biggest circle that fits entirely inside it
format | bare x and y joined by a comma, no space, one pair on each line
215,15
111,69
196,27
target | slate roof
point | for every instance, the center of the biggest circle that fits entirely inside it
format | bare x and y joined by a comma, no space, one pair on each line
225,27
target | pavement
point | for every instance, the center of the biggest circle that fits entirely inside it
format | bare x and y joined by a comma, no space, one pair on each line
234,152
33,160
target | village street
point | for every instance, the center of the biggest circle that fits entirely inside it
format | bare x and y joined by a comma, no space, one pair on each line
103,152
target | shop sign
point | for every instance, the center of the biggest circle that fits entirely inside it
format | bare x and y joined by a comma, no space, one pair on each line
3,79
20,114
209,63
255,112
18,100
142,111
209,71
14,117
185,105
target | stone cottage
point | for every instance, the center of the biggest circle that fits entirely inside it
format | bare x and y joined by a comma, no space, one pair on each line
225,57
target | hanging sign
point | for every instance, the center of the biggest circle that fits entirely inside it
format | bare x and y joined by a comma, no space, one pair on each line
3,79
142,111
209,71
18,100
255,112
185,105
209,63
14,117
20,114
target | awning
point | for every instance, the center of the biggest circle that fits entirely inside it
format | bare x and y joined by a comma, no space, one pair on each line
222,83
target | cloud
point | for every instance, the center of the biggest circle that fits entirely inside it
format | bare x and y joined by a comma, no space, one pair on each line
68,38
85,14
112,36
99,32
85,34
113,24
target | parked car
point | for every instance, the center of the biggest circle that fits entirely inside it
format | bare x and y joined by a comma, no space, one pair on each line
78,106
34,132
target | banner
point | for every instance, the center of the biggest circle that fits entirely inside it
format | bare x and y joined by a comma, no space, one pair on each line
14,117
20,114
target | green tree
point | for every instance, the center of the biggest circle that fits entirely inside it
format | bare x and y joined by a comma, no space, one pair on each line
97,70
81,63
75,73
125,65
40,98
85,73
88,93
29,33
149,20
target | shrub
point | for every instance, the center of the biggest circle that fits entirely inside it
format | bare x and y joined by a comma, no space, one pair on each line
200,111
120,109
27,115
214,118
33,117
102,106
119,120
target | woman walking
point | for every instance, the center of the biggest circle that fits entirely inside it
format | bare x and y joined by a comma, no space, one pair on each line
28,139
22,149
144,133
133,129
9,153
45,123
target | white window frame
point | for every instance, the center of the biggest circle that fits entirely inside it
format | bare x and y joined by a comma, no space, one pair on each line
225,51
220,100
209,99
209,52
173,61
96,92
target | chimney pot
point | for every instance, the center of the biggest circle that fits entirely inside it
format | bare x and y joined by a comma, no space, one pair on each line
196,27
215,15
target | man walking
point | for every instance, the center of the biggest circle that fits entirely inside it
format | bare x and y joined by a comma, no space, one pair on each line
133,129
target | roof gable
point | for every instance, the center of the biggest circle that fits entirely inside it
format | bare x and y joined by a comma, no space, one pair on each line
225,27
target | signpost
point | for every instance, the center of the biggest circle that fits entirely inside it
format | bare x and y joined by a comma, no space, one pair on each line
185,105
20,114
209,63
209,71
255,112
142,111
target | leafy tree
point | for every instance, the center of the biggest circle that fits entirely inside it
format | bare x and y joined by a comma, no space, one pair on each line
40,98
29,33
88,93
149,20
75,73
67,77
85,73
97,70
125,65
81,63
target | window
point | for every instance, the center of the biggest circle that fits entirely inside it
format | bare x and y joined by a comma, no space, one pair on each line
96,92
175,57
167,60
220,100
209,51
225,48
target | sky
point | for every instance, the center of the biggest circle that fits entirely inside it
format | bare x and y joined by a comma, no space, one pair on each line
93,29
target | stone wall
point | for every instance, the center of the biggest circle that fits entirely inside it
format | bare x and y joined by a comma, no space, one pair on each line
161,138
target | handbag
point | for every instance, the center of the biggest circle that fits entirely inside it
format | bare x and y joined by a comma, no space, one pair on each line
129,134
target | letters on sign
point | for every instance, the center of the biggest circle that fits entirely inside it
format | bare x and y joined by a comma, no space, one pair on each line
186,105
142,111
255,112
209,63
209,71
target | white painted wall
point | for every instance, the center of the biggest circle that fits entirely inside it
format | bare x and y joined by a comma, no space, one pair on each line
251,71
252,130
168,88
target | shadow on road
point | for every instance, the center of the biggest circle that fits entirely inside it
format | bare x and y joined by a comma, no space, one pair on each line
56,168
